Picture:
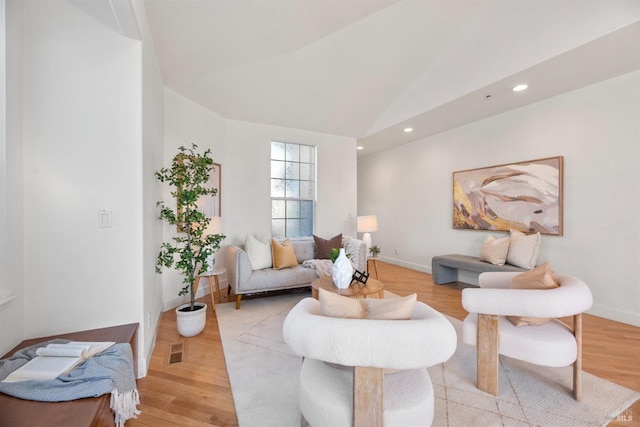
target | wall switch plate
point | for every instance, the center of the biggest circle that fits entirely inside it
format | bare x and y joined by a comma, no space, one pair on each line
105,218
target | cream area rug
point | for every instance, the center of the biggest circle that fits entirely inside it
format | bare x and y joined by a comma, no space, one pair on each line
264,379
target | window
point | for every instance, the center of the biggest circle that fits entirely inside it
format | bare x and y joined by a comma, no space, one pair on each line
292,189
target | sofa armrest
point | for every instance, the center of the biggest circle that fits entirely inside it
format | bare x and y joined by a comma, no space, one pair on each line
238,267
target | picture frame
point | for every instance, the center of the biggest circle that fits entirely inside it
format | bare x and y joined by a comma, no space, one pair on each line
525,196
212,205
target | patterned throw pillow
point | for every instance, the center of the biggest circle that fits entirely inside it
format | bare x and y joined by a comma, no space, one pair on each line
523,249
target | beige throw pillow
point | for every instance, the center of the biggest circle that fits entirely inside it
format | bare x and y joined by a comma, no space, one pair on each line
494,250
390,308
334,305
523,249
259,253
283,254
540,277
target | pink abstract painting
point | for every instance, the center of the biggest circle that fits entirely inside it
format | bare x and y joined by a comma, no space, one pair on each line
525,196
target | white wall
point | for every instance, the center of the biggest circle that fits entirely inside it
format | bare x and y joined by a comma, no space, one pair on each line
247,189
152,160
243,149
11,223
596,129
185,123
82,152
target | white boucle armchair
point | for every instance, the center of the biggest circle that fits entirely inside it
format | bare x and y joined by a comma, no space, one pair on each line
343,380
553,344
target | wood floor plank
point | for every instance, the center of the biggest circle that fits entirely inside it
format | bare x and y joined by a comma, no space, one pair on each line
196,392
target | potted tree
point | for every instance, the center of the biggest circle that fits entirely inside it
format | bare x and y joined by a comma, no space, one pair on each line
189,250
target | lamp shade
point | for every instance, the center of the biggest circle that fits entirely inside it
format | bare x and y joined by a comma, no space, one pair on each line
367,223
215,226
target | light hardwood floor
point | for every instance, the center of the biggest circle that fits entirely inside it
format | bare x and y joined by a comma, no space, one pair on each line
196,391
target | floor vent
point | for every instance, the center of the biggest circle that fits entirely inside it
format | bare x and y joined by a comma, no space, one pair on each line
176,352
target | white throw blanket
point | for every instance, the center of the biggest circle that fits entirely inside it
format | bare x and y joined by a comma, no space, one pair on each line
323,266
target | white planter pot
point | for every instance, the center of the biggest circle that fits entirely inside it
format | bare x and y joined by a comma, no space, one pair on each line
191,323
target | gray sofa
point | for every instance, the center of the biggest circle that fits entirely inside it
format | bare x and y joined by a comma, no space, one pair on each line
244,281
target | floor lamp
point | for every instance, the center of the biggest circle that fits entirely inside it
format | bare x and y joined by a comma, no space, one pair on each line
367,224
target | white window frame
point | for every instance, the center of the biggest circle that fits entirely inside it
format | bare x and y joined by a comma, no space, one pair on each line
293,189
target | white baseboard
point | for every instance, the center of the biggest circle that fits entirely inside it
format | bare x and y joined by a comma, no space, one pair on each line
617,315
406,264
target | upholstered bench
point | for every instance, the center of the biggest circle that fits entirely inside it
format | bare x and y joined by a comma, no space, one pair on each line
444,268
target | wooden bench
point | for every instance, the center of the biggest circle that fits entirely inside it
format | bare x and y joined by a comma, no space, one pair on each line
93,411
444,268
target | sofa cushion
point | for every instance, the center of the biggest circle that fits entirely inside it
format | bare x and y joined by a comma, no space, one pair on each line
283,254
324,246
259,253
495,250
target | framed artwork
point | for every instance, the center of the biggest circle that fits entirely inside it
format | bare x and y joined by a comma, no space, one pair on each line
526,196
211,205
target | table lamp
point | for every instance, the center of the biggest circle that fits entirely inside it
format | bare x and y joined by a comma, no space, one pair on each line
214,227
367,224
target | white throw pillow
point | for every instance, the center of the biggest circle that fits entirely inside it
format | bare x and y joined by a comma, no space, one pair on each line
259,253
523,249
495,250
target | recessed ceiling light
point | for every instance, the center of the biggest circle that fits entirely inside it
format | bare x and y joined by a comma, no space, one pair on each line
407,130
360,147
520,87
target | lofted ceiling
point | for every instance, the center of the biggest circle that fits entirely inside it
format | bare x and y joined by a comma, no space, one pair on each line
369,68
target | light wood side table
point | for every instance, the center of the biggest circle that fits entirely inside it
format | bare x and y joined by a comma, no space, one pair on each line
212,276
372,289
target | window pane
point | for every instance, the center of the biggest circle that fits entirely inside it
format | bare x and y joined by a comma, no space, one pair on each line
277,169
277,150
306,227
293,209
292,170
277,209
293,228
277,228
292,152
292,189
277,188
306,210
306,190
306,154
306,172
